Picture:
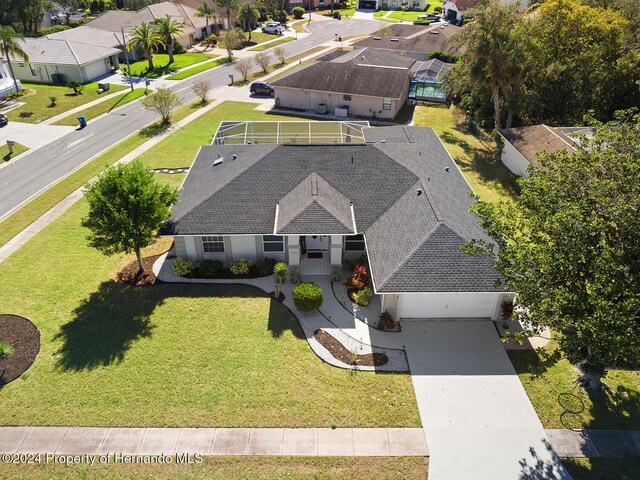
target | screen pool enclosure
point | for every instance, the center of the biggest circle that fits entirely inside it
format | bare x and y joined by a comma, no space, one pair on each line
230,132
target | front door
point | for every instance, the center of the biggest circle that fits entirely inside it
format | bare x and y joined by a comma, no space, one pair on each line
317,243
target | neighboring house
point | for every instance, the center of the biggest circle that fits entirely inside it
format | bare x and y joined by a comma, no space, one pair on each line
455,9
398,199
7,85
523,145
365,90
53,60
116,21
427,82
221,14
415,41
97,36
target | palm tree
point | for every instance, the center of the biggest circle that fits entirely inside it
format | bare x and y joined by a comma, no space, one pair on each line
10,46
205,11
168,29
146,38
248,15
228,5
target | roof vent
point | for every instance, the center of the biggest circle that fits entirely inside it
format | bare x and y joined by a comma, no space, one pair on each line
383,141
234,156
434,32
377,38
419,192
394,40
447,169
218,161
314,185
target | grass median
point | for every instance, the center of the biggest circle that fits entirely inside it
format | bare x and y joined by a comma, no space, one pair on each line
272,44
198,69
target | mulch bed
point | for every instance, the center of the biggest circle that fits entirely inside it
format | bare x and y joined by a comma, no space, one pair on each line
25,339
128,273
340,352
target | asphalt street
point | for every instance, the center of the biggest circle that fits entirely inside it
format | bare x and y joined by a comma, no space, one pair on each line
36,171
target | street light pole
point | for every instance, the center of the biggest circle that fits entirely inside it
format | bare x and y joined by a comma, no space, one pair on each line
309,3
126,56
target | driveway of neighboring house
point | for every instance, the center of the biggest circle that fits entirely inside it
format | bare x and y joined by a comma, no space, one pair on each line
477,418
32,135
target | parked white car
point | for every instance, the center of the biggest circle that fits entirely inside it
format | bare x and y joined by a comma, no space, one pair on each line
273,27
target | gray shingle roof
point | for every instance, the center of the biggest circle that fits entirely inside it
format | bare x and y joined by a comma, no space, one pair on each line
348,78
413,241
91,36
64,52
314,207
375,57
419,40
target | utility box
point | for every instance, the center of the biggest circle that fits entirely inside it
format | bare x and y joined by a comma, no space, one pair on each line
103,87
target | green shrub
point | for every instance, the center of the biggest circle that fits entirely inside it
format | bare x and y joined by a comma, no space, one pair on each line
209,268
363,297
446,57
336,274
422,22
182,267
437,9
76,86
265,266
178,48
6,350
280,270
298,12
294,274
336,14
307,296
240,266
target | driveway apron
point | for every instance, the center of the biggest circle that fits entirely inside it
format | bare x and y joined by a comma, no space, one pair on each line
477,418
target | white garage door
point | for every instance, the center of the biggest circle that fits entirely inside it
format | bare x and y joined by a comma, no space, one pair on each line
447,305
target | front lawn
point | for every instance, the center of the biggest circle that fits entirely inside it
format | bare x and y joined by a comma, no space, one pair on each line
172,354
38,107
17,150
602,468
551,385
474,154
240,468
161,65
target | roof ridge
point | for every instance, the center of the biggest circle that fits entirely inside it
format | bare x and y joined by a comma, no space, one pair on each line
559,137
73,52
409,255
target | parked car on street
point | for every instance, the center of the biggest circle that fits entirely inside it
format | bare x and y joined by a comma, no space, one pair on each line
273,27
4,120
261,88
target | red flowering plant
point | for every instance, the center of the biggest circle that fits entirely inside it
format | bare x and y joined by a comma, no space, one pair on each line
358,281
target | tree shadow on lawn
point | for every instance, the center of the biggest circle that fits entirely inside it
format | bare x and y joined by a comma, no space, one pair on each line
616,407
484,161
107,324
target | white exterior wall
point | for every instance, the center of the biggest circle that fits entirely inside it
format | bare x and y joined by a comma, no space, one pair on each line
448,6
448,305
43,72
96,69
293,246
514,160
244,246
336,249
358,105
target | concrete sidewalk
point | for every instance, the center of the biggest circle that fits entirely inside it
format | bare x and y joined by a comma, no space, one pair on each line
384,442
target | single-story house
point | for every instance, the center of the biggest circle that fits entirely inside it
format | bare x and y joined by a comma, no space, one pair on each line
427,82
398,199
220,13
53,60
415,41
522,145
7,85
117,20
97,36
365,90
456,9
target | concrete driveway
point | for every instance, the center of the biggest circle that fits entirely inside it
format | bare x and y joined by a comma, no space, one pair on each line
477,418
32,135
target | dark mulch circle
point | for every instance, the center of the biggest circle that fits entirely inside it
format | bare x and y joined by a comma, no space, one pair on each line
279,299
128,273
25,339
341,353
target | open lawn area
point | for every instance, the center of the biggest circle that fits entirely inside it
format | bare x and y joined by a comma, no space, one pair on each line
17,150
161,65
603,468
551,385
38,107
275,43
240,468
475,155
257,37
171,354
103,107
198,69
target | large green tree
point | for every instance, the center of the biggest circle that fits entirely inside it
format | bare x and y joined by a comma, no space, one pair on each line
10,45
248,15
127,207
493,60
168,29
570,248
146,37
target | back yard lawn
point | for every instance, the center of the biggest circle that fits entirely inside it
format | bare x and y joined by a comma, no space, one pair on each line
163,67
171,355
551,385
474,154
38,107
